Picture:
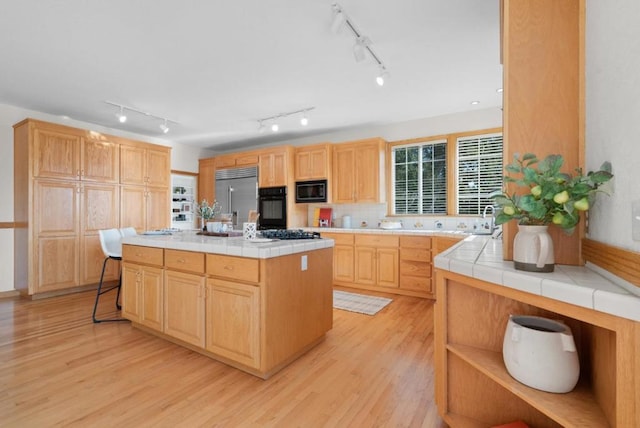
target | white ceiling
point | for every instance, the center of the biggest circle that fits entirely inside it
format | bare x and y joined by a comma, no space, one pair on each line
216,67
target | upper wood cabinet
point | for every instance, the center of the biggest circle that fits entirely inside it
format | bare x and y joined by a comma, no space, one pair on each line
236,160
72,154
142,165
357,171
312,162
273,167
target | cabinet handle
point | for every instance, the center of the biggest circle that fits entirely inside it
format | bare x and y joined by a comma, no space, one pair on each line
180,261
78,172
82,173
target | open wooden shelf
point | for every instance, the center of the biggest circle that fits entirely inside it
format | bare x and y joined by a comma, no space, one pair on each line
576,408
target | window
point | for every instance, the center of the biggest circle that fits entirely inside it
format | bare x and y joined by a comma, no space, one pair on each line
419,178
479,171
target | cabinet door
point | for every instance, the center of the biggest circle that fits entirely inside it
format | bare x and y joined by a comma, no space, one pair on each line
367,170
184,304
158,207
343,263
158,168
92,259
56,208
151,298
344,184
272,169
56,154
133,207
365,266
387,267
132,165
57,263
131,286
233,321
100,161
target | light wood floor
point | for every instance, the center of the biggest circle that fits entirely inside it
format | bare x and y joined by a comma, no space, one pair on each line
57,368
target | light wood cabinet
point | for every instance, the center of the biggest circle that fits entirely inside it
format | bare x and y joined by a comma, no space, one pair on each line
142,295
233,321
312,162
357,172
273,168
145,165
66,187
473,387
184,304
343,256
236,160
376,260
416,264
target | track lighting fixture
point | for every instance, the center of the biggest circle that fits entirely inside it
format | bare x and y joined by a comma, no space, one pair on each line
164,127
122,117
304,121
362,45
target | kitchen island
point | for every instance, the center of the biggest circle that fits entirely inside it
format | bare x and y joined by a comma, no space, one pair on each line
256,306
477,291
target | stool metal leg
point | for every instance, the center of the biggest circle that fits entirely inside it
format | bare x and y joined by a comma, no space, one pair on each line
101,292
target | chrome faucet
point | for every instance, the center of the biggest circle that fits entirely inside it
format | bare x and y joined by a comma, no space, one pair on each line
491,226
493,211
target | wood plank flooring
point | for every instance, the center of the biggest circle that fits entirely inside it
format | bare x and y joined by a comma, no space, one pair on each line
57,368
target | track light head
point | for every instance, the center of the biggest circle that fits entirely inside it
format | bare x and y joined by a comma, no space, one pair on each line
275,127
164,127
384,74
304,121
338,19
359,49
122,118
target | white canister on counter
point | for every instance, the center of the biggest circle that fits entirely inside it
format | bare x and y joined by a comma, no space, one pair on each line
346,222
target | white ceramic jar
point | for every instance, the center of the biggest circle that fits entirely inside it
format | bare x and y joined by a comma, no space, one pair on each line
541,353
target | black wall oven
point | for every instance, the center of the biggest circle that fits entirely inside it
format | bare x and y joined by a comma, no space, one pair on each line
272,206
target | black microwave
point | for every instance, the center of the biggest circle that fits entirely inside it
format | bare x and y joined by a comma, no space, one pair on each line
311,191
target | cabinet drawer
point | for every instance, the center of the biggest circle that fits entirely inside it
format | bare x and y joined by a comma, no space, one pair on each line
415,241
408,267
417,254
238,268
184,260
377,240
340,238
416,283
144,255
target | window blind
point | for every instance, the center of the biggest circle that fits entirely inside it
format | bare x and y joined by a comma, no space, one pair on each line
479,171
420,178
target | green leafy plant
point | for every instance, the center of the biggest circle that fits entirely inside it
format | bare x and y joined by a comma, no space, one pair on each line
553,197
206,211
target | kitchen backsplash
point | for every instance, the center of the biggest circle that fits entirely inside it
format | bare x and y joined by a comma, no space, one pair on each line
369,215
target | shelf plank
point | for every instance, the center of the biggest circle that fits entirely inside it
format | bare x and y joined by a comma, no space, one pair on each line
577,408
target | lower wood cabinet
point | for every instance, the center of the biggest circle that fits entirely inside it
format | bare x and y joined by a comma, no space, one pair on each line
142,295
184,300
415,264
376,260
233,321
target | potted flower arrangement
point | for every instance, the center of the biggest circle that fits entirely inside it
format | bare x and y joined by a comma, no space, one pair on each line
207,212
551,197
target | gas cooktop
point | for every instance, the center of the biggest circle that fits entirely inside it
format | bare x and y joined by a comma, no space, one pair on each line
289,234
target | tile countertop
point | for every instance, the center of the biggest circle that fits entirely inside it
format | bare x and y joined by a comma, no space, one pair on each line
588,286
234,246
420,232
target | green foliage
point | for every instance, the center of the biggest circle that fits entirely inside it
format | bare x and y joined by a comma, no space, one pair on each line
552,197
206,211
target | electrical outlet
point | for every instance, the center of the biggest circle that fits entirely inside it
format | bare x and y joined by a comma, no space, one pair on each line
635,220
303,263
438,224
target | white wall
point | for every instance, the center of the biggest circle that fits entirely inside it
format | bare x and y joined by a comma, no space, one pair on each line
613,114
183,158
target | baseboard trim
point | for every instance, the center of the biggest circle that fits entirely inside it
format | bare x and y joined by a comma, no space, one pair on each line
9,294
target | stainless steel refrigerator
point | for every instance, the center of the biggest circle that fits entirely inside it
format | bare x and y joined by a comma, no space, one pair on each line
237,192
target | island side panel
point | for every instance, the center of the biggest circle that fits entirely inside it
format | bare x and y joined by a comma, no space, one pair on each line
298,304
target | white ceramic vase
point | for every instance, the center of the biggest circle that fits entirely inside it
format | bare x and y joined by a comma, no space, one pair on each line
541,353
533,249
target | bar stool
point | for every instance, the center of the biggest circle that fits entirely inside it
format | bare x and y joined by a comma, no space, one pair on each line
128,231
111,243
